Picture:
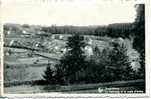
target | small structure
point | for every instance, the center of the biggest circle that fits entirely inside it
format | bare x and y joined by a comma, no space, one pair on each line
60,37
90,41
24,32
11,43
8,32
53,37
88,50
7,53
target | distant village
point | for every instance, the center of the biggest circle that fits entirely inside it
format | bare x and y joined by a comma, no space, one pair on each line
34,39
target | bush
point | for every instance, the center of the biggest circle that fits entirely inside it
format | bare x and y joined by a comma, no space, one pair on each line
49,76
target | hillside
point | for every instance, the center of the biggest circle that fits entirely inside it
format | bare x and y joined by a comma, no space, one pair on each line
29,49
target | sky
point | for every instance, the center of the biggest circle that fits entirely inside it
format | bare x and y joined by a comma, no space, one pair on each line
67,13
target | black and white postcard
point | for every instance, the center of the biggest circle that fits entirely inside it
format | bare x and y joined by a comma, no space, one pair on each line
74,48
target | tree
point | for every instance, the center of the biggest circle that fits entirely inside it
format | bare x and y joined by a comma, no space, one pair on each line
100,31
49,76
139,37
141,71
119,67
139,29
73,62
59,74
25,26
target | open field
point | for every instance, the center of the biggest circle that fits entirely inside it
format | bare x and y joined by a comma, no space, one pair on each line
24,73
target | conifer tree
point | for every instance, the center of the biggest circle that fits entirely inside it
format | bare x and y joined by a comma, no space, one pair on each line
49,75
73,62
119,68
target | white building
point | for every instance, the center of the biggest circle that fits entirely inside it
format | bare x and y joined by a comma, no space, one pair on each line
90,41
8,32
53,37
11,42
88,50
24,32
60,37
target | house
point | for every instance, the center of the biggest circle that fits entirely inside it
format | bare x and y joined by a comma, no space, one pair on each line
11,43
8,32
60,37
88,50
53,37
90,41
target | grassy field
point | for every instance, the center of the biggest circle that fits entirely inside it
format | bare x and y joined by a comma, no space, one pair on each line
24,73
